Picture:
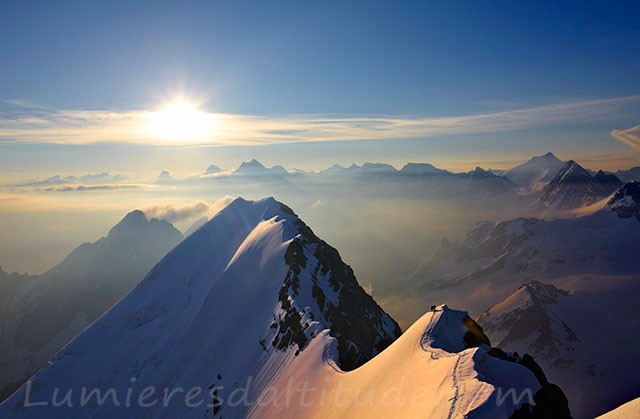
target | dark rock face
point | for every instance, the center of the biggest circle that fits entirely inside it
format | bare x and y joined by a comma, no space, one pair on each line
549,402
360,326
626,201
475,335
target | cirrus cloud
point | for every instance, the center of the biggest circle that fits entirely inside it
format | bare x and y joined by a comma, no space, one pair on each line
29,124
630,136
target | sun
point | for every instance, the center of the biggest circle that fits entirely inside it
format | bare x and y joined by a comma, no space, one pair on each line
181,121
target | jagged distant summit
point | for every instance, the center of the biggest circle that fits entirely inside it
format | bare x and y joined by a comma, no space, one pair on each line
574,187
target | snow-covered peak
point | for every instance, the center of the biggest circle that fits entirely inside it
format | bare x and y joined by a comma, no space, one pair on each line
537,170
572,172
575,187
626,201
603,177
213,169
421,169
333,169
549,156
133,217
479,171
378,167
529,294
250,166
136,221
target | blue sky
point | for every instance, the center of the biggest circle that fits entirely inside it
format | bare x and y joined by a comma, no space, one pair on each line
365,59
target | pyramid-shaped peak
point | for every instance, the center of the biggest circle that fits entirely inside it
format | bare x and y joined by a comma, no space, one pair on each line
134,217
572,172
550,156
213,169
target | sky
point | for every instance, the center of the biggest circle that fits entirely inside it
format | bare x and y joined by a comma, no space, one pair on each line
123,90
454,83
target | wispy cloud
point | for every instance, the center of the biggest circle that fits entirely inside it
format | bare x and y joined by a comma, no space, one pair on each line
630,136
174,213
28,124
91,188
89,178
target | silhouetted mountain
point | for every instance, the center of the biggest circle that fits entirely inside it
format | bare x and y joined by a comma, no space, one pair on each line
50,309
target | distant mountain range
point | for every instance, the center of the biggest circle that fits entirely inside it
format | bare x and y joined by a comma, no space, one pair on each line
544,184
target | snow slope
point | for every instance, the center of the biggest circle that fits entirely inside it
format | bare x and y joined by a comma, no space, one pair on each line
254,303
629,410
40,314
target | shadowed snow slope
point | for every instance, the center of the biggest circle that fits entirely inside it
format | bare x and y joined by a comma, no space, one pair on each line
251,310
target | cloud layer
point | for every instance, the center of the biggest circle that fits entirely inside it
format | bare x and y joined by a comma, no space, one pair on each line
29,124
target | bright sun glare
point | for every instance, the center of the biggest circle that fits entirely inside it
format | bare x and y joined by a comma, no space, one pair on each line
181,121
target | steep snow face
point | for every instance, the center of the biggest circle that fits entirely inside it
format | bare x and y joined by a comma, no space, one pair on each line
536,172
574,187
235,302
45,312
580,336
626,201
